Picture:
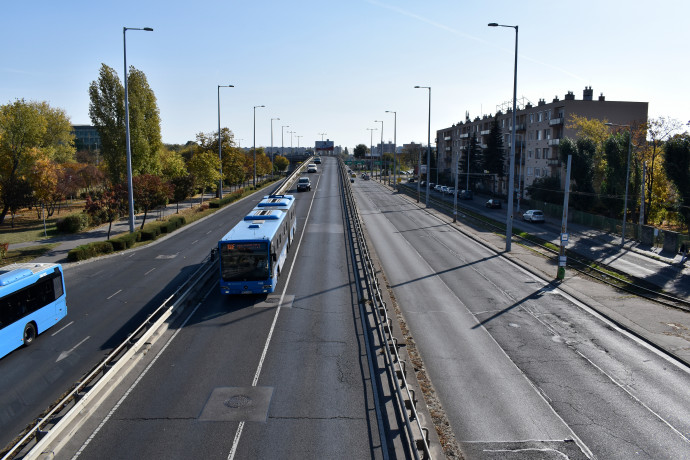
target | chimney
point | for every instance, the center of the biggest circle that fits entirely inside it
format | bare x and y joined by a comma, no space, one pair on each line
555,99
601,97
541,102
570,96
587,93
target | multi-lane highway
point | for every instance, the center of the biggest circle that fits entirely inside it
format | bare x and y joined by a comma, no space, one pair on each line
519,365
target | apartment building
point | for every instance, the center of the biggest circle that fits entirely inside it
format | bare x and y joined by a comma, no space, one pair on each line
539,130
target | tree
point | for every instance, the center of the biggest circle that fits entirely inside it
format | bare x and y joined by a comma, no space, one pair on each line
204,166
361,151
583,152
43,179
493,157
281,163
547,189
172,163
410,154
616,157
474,152
677,158
107,113
658,131
150,191
57,143
183,188
595,130
144,124
109,205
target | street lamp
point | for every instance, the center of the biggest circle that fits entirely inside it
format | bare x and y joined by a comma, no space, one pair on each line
282,140
220,156
322,134
298,142
130,188
292,152
381,160
511,181
428,152
272,167
254,148
371,147
627,179
395,147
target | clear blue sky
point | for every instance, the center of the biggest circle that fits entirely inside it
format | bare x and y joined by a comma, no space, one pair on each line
336,66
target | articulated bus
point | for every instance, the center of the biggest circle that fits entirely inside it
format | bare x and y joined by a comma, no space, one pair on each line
32,299
252,254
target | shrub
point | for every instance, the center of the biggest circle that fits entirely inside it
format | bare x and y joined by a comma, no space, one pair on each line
87,251
125,241
73,224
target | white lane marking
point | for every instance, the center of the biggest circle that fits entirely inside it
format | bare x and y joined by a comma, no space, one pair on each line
114,294
195,241
136,382
62,328
240,427
65,354
149,271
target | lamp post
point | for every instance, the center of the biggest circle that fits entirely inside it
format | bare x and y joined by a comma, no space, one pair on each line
322,134
511,181
254,145
220,156
130,188
298,142
282,140
395,147
292,152
627,179
428,151
272,167
371,147
381,161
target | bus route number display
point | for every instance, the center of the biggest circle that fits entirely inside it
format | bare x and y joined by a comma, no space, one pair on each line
246,246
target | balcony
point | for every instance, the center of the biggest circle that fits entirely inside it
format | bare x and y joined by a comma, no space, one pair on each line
556,121
554,141
447,138
464,136
520,127
485,132
554,162
447,149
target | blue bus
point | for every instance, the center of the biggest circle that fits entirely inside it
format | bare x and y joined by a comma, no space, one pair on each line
252,254
32,299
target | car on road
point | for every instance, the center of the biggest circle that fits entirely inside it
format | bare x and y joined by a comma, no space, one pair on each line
311,168
365,176
317,160
533,215
465,194
303,184
493,203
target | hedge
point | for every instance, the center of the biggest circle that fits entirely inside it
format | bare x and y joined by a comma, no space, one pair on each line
73,224
86,251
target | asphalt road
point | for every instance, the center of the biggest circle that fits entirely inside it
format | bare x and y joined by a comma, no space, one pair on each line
107,298
278,376
523,370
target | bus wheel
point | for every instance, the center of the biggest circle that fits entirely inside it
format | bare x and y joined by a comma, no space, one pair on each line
29,334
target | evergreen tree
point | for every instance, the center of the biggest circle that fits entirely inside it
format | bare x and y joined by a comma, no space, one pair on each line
493,157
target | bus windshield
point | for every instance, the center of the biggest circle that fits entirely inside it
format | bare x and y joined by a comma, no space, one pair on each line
244,261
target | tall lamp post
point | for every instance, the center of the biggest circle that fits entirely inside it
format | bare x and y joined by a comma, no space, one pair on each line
395,147
272,167
254,146
428,151
371,147
511,181
298,137
292,152
282,140
627,179
130,188
381,160
220,156
322,134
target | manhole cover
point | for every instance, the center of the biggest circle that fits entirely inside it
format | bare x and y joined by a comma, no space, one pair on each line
238,402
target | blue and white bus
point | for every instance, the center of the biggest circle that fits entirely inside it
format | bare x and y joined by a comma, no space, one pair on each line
32,299
252,254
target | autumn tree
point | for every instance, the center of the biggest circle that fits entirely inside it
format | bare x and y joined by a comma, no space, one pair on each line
280,163
144,124
43,178
596,131
677,158
204,166
150,191
183,188
108,205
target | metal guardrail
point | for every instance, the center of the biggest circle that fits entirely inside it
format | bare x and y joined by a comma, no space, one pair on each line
54,422
415,432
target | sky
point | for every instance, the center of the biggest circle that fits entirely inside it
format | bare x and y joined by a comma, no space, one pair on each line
329,69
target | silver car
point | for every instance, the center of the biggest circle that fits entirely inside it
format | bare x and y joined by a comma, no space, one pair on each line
533,215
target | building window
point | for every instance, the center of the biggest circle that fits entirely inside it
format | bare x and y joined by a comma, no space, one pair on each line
546,153
540,116
529,154
547,134
529,171
537,154
539,134
548,114
531,118
531,135
537,172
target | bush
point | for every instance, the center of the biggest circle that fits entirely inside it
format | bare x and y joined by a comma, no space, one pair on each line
87,251
73,224
125,241
151,231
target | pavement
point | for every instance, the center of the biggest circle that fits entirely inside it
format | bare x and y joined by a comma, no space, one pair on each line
663,327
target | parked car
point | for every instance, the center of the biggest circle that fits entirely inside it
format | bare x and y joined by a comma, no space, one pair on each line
493,203
450,191
303,184
533,215
443,189
465,195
